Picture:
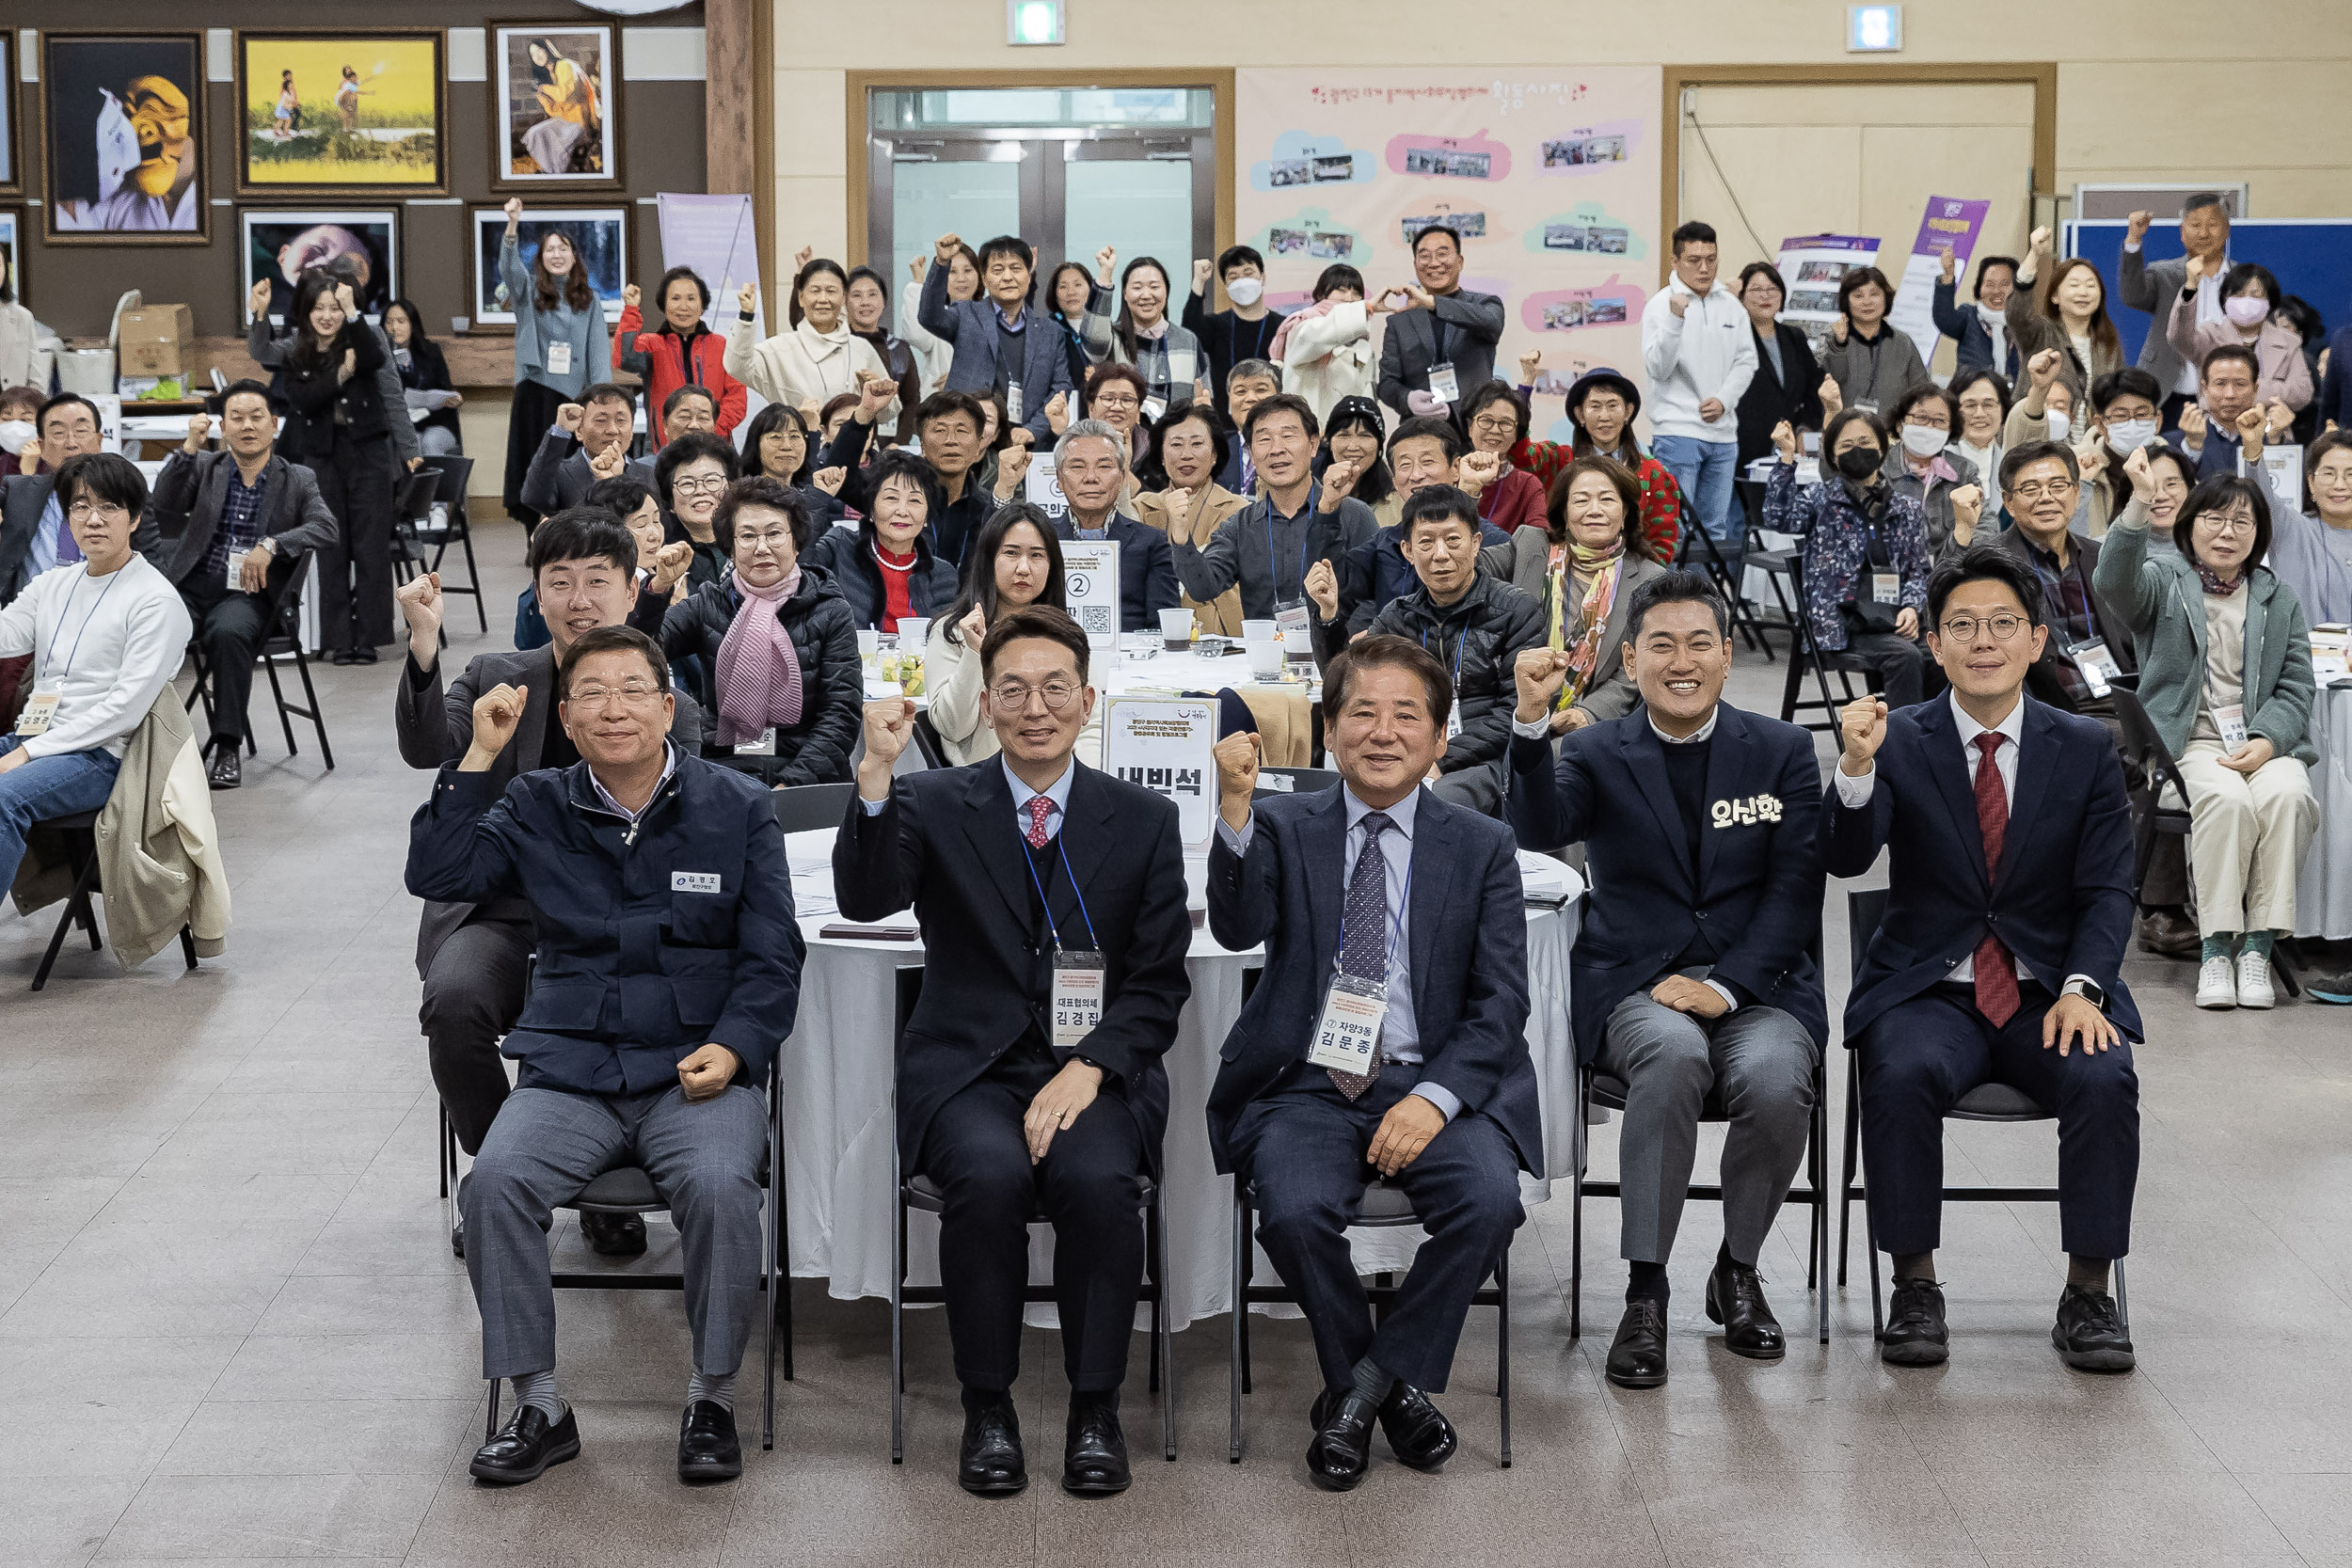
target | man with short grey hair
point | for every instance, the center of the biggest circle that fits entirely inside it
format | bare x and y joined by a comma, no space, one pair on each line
1091,466
2154,286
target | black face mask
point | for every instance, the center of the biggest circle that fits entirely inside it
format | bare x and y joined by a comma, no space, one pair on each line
1859,462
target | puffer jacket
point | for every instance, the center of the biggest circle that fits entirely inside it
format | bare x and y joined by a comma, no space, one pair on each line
1836,546
1478,638
832,687
847,555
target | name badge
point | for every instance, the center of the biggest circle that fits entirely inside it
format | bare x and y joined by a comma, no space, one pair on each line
237,572
1887,587
2230,719
1453,720
1443,384
1349,1029
764,747
1077,1004
560,359
2098,665
1012,402
1290,620
38,709
694,882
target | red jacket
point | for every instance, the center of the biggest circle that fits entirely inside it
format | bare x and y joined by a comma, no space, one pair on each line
659,358
1662,498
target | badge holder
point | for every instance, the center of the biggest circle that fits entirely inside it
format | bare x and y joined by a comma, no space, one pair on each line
1290,618
1443,384
764,747
38,710
560,359
1887,587
2098,666
1077,1005
1348,1032
2230,719
1012,402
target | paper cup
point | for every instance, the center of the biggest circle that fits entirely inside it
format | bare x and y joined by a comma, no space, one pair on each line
1258,631
913,630
1176,630
1266,657
868,643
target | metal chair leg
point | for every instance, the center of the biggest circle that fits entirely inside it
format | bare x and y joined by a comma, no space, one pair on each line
76,907
188,946
491,1423
1233,1372
898,1325
775,1291
1583,1135
318,715
1818,1262
2122,1298
1163,1329
1846,1189
1502,1345
277,696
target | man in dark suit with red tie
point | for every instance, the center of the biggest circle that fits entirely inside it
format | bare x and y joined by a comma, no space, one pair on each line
2009,903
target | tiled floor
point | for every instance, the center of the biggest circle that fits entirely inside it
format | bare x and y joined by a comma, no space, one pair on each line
231,1326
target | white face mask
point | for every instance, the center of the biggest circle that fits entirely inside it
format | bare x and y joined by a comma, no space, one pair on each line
14,434
1924,440
2129,436
2059,425
1245,292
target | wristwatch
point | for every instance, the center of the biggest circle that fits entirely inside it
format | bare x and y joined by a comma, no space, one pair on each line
2091,992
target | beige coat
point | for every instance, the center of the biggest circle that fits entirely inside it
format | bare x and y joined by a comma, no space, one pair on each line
27,349
159,861
1209,509
804,366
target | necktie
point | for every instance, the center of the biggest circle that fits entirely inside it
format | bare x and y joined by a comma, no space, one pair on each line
1364,928
1038,808
1996,975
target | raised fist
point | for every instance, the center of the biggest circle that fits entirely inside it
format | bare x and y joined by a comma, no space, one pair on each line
1322,587
1785,440
1239,755
568,417
496,712
199,426
1200,273
945,246
514,210
2136,227
1539,674
1862,730
631,295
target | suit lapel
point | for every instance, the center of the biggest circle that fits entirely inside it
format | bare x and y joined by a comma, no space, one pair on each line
988,826
1435,842
1086,838
2036,755
1646,759
1323,840
1726,768
1950,768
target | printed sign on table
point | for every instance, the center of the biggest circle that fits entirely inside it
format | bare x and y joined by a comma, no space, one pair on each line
1168,745
1089,574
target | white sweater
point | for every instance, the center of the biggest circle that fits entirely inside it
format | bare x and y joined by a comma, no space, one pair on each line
1707,352
106,645
804,365
1329,357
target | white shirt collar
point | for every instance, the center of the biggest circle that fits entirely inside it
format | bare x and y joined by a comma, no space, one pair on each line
2012,728
1704,732
669,767
1401,813
1058,792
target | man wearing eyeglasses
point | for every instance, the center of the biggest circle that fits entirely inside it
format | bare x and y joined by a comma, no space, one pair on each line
1052,901
34,535
669,971
589,441
2088,645
2009,907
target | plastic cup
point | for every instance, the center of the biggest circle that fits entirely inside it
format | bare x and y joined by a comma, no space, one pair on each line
868,643
913,630
1176,630
1258,631
1266,659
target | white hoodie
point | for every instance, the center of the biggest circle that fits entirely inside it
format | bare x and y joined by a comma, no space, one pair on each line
1707,352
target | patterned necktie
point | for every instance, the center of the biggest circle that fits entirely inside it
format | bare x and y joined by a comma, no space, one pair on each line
1038,808
1364,928
1996,974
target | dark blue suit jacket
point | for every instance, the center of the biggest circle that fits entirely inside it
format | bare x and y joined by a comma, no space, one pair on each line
1147,572
2062,897
971,326
1469,941
1757,888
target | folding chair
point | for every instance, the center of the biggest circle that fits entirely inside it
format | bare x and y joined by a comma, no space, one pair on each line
79,835
927,741
1864,910
805,807
284,640
1696,541
919,1192
1807,655
411,511
452,473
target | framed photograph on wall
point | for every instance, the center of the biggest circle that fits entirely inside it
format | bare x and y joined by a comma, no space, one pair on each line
599,234
342,113
11,167
282,246
13,257
554,115
122,138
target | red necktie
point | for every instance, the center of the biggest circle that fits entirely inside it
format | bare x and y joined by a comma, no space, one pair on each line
1038,808
1996,974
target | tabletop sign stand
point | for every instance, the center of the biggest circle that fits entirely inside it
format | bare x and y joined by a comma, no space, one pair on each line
1168,745
1090,588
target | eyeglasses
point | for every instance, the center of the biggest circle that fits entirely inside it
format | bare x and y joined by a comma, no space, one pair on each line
711,484
1117,400
2227,525
632,694
1964,629
1495,426
1013,696
82,511
2033,490
775,539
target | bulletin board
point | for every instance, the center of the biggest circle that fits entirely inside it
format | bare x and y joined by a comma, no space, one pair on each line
1550,173
2311,257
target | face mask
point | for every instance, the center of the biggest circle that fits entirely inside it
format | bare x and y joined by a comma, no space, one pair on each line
14,434
1923,440
2059,425
2245,310
2129,436
1245,292
1858,463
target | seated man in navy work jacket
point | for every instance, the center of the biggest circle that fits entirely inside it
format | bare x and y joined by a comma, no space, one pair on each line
2008,906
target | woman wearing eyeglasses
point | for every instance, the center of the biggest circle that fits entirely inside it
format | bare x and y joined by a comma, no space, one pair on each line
1496,420
2225,673
689,479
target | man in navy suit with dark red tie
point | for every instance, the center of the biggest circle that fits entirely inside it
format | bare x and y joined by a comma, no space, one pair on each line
2008,906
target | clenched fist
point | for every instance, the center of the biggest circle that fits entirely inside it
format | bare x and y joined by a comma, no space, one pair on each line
568,417
199,427
1861,730
1478,469
1539,676
421,602
1322,587
497,714
631,295
1239,755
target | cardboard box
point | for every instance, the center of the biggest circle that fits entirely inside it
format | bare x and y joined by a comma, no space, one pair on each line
156,340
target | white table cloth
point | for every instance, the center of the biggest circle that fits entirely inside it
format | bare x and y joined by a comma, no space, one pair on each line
838,1079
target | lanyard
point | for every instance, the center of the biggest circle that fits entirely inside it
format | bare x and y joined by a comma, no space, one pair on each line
1396,921
1306,541
1030,856
76,650
1458,647
2055,587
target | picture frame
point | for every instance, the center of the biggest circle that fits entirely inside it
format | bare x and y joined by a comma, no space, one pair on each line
600,234
554,107
12,249
280,243
104,186
11,156
306,126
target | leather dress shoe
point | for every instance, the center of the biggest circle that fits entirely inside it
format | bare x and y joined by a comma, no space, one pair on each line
989,1464
2088,1332
525,1447
1342,1444
457,1239
2169,933
1419,1434
613,1235
1915,1334
227,769
708,1450
1637,1358
1095,1453
1735,1298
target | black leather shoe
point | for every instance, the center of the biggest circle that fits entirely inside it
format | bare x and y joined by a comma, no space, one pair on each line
1637,1358
457,1239
344,655
1095,1453
1342,1444
707,1448
989,1464
227,769
1735,1298
1419,1434
364,653
613,1235
525,1447
2088,1332
1915,1334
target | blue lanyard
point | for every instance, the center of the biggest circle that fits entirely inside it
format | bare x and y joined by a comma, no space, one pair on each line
111,578
2054,588
1458,654
1030,856
1396,921
1305,544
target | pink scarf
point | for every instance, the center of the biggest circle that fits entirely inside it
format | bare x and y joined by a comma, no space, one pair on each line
1280,346
757,672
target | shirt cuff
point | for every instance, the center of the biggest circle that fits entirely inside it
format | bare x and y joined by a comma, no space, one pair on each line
1238,842
1731,1003
872,808
559,430
1853,793
1534,729
1449,1104
2131,246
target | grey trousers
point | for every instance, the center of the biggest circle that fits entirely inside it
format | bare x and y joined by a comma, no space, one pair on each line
546,1146
1760,1062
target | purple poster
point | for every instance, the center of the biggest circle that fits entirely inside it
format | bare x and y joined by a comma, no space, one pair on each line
1948,223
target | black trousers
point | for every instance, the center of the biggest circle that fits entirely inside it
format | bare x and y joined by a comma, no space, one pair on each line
231,627
1901,662
356,573
1087,1186
473,994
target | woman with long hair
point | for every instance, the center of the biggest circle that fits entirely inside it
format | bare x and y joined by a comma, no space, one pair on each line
1080,303
1586,581
777,445
338,427
963,284
1353,433
817,356
1166,356
562,343
2063,308
869,308
424,377
567,95
1014,561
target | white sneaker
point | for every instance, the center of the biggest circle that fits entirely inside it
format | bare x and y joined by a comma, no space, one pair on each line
2253,981
2217,983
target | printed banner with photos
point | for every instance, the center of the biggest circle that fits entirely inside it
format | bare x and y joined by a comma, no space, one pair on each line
1548,173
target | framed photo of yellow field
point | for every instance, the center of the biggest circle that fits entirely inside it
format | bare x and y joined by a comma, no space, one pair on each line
554,108
342,113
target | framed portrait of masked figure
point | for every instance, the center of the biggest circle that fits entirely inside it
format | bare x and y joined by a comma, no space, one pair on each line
124,138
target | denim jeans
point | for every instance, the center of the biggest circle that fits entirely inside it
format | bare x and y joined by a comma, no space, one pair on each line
1704,470
44,787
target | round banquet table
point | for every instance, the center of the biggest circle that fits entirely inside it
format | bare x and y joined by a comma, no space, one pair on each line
2323,894
838,1081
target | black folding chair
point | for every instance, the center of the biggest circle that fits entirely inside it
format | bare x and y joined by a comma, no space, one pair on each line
803,807
1865,908
79,833
452,472
284,640
1696,543
927,741
411,510
1806,654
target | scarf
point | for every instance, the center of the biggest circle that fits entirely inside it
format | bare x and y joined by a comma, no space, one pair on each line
1604,567
1996,325
757,672
2214,585
1280,345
